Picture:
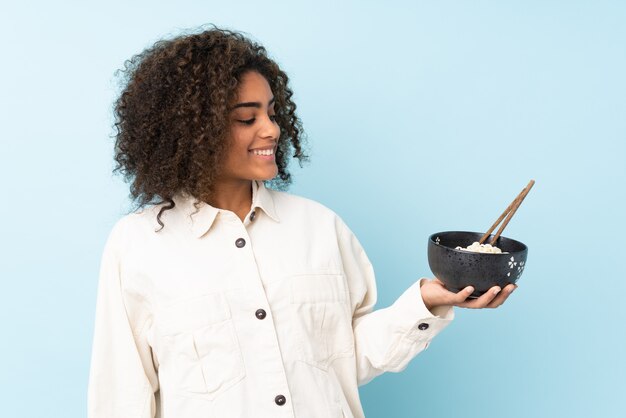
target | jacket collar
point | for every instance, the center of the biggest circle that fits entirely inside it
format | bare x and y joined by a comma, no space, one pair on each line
262,198
201,219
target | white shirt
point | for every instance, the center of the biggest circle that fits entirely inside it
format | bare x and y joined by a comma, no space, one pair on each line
271,317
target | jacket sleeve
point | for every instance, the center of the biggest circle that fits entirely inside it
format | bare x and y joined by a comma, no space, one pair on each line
122,378
385,339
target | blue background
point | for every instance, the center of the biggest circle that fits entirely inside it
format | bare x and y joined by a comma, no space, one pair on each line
421,117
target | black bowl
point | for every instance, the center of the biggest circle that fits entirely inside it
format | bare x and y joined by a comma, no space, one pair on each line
458,269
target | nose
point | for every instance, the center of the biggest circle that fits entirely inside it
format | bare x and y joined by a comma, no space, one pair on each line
270,129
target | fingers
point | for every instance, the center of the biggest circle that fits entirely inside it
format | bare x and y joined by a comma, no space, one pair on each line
502,296
493,298
439,295
483,301
462,295
434,293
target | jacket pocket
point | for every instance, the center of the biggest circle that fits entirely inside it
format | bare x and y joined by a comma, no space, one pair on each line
320,305
201,353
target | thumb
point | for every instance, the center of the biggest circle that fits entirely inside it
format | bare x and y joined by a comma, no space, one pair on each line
462,295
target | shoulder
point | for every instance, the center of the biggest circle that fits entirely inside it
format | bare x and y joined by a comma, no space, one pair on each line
293,207
135,225
290,205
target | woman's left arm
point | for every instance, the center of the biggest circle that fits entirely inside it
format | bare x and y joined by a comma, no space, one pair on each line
387,339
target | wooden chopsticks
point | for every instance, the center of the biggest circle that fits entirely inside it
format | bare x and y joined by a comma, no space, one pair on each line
508,213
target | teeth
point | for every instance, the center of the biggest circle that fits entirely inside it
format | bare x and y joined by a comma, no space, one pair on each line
263,152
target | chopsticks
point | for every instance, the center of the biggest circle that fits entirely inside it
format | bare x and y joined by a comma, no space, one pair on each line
508,212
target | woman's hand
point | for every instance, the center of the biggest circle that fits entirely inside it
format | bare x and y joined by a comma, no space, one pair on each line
434,294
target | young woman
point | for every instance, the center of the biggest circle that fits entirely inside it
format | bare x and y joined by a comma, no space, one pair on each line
219,296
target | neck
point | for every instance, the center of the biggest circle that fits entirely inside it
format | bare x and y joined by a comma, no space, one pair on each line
235,196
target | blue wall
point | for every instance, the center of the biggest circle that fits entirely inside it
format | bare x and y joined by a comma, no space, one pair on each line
422,116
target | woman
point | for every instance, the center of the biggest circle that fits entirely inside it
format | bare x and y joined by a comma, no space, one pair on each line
219,296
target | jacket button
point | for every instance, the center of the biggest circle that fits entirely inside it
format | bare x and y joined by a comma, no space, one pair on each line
423,326
252,215
240,242
260,314
280,400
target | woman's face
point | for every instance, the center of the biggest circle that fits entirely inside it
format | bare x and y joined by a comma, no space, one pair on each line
254,132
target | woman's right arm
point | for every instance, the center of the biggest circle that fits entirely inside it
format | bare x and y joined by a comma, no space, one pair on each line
122,378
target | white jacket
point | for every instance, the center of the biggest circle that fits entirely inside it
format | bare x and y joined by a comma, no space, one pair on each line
270,317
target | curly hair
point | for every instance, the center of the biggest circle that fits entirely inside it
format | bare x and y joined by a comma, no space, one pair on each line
171,117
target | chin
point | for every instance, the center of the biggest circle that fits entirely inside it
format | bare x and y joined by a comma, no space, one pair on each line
266,175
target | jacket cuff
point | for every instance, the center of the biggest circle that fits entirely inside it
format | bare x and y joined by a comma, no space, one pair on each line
425,324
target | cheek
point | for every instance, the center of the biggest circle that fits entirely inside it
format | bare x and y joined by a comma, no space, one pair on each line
238,142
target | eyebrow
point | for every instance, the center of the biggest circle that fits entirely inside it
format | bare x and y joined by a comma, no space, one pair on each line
252,104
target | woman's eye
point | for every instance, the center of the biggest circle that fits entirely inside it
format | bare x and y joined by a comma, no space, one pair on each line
251,121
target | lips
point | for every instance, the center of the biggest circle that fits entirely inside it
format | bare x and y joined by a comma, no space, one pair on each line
262,148
269,152
265,153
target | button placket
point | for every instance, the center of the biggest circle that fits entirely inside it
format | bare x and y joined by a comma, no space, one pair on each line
261,313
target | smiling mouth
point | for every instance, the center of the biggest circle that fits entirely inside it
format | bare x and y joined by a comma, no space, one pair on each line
265,152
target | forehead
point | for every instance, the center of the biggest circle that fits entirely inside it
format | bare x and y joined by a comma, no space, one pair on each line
253,86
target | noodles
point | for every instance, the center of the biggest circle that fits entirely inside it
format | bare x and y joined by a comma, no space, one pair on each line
482,248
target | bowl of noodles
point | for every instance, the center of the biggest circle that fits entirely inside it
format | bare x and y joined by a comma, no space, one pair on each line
456,258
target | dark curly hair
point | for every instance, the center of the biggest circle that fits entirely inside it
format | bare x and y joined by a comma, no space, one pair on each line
172,120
